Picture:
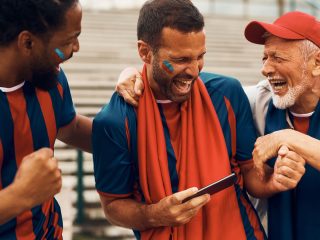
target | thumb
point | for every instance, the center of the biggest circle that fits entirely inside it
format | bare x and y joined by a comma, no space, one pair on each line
184,194
283,150
138,85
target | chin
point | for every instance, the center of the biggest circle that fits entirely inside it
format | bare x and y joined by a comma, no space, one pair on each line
180,99
283,102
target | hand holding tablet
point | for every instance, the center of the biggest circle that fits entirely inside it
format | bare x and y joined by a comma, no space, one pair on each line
214,187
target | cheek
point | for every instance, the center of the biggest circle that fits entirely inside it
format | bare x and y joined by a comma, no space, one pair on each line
201,63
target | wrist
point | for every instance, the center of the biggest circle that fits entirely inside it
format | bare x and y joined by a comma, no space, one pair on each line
20,197
285,137
150,211
270,186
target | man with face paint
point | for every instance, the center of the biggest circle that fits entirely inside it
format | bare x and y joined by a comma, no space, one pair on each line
35,109
185,133
286,108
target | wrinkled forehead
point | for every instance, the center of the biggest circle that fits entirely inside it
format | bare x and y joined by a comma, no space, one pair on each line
282,45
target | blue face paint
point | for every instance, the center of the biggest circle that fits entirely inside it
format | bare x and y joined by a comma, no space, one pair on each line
60,53
167,66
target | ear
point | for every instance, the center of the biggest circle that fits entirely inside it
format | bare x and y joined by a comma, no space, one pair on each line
145,51
25,41
316,68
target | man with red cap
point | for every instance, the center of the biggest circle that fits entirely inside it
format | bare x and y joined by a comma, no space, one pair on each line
288,99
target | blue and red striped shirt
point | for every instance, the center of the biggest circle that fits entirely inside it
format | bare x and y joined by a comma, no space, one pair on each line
29,120
115,144
294,214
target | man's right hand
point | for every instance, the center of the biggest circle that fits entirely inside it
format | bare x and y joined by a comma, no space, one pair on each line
38,177
130,85
170,211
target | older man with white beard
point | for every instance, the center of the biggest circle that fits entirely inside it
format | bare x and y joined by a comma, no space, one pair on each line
287,99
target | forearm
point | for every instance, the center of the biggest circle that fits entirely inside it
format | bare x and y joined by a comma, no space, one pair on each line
304,145
78,133
11,204
129,213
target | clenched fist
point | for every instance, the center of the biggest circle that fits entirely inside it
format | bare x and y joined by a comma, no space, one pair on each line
38,177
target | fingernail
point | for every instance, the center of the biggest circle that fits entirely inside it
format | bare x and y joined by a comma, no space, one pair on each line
194,189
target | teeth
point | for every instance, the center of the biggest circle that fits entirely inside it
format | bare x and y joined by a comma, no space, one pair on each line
275,82
278,87
185,82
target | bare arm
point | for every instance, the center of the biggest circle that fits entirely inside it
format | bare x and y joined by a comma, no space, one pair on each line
38,179
130,85
77,133
304,145
12,203
167,212
286,174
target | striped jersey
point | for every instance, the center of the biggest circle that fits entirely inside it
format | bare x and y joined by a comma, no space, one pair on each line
115,145
29,120
294,214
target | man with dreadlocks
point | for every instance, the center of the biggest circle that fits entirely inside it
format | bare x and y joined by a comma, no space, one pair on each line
36,108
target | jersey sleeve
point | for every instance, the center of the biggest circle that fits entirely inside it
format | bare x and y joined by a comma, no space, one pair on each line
113,164
234,113
246,132
67,110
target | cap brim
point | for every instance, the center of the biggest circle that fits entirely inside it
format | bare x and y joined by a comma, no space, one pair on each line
255,30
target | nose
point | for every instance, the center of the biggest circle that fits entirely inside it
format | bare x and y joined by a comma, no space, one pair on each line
194,68
267,68
76,46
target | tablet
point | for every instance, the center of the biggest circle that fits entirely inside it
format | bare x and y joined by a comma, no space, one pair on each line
214,187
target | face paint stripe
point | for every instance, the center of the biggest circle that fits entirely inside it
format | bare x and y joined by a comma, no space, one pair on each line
166,65
60,53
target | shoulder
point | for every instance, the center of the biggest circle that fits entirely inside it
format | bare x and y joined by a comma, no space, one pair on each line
114,114
260,90
220,84
259,97
223,88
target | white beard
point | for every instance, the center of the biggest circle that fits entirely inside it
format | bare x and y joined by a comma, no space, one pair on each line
289,99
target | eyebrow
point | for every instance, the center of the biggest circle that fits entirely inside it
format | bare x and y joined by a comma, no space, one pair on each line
177,57
75,35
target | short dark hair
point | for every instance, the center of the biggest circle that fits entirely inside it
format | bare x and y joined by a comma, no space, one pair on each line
155,15
37,16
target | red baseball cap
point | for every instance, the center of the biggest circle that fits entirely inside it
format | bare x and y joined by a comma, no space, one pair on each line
292,26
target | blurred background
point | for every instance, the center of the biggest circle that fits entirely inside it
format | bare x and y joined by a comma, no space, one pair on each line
107,45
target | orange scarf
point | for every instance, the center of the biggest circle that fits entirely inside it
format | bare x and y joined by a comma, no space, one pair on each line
204,159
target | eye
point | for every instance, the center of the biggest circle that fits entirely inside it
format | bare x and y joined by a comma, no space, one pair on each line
278,59
180,60
200,57
264,59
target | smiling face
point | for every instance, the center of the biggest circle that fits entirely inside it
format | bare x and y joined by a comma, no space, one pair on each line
45,63
287,71
184,52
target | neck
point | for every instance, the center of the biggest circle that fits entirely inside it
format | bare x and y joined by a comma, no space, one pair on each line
305,104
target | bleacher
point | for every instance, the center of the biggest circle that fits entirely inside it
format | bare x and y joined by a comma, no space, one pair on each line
107,45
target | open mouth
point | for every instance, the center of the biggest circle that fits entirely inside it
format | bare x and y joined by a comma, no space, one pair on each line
182,86
278,85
